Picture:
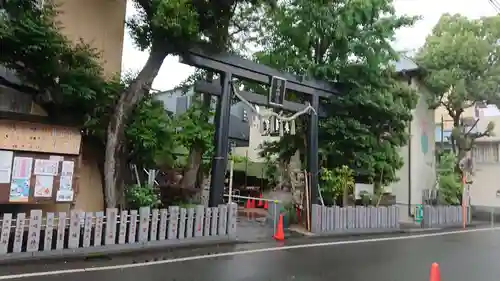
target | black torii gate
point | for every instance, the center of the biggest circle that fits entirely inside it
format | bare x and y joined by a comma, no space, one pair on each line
229,66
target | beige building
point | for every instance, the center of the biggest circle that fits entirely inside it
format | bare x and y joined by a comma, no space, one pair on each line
418,171
485,155
99,23
442,115
486,166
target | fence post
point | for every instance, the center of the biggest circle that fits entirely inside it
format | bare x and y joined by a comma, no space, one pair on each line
232,218
324,219
198,220
315,217
144,213
222,227
173,222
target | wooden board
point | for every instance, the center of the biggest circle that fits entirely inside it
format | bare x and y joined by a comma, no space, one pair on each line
5,187
36,137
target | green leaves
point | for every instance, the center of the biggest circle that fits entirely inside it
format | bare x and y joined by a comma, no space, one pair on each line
166,22
59,71
193,128
348,43
461,60
138,196
450,187
149,133
67,79
335,183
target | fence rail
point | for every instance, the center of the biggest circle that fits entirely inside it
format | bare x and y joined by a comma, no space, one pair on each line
354,219
88,230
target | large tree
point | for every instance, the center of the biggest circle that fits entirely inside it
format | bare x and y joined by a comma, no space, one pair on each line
162,27
462,60
347,43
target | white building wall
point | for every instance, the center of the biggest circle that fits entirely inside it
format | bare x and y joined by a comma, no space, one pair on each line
418,172
486,156
255,140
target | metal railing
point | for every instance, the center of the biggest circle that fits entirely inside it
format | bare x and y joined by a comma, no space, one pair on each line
273,212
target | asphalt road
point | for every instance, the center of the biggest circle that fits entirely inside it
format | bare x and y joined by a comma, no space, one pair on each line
467,256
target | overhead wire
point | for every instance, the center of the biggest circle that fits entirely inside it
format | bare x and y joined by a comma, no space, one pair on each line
495,4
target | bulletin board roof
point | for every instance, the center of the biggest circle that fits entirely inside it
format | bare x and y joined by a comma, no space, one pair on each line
38,137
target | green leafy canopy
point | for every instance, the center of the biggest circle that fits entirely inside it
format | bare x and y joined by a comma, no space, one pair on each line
462,61
348,43
66,78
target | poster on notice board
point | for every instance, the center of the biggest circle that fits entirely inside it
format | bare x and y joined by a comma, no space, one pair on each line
64,195
43,186
65,192
5,165
20,183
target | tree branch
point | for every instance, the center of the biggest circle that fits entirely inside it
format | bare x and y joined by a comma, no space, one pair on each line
146,5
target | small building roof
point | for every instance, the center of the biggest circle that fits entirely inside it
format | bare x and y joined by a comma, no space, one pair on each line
405,64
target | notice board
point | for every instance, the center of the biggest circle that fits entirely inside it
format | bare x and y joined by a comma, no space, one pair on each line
36,137
37,178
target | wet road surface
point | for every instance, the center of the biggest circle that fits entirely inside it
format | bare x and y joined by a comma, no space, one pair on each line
470,256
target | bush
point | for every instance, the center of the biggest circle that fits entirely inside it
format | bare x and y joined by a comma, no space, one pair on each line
336,184
141,196
449,184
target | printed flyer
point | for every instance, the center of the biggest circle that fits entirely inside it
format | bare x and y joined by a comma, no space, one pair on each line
19,190
43,186
5,165
20,183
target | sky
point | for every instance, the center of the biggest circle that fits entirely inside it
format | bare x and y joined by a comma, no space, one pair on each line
173,72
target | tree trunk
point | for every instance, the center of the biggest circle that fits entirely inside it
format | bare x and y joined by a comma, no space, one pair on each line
116,127
193,165
196,153
455,142
345,197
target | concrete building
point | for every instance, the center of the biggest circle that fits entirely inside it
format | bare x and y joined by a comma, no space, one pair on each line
418,172
99,23
177,101
485,154
486,160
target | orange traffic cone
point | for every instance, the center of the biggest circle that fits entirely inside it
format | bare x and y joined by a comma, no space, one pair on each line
248,204
266,205
260,201
435,275
253,203
280,234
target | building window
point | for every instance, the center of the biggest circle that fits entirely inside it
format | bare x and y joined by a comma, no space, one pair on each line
486,153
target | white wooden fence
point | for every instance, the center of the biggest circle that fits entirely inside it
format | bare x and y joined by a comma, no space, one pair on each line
357,219
444,216
96,232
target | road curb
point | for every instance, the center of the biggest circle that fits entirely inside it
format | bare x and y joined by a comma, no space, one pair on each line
110,251
307,235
